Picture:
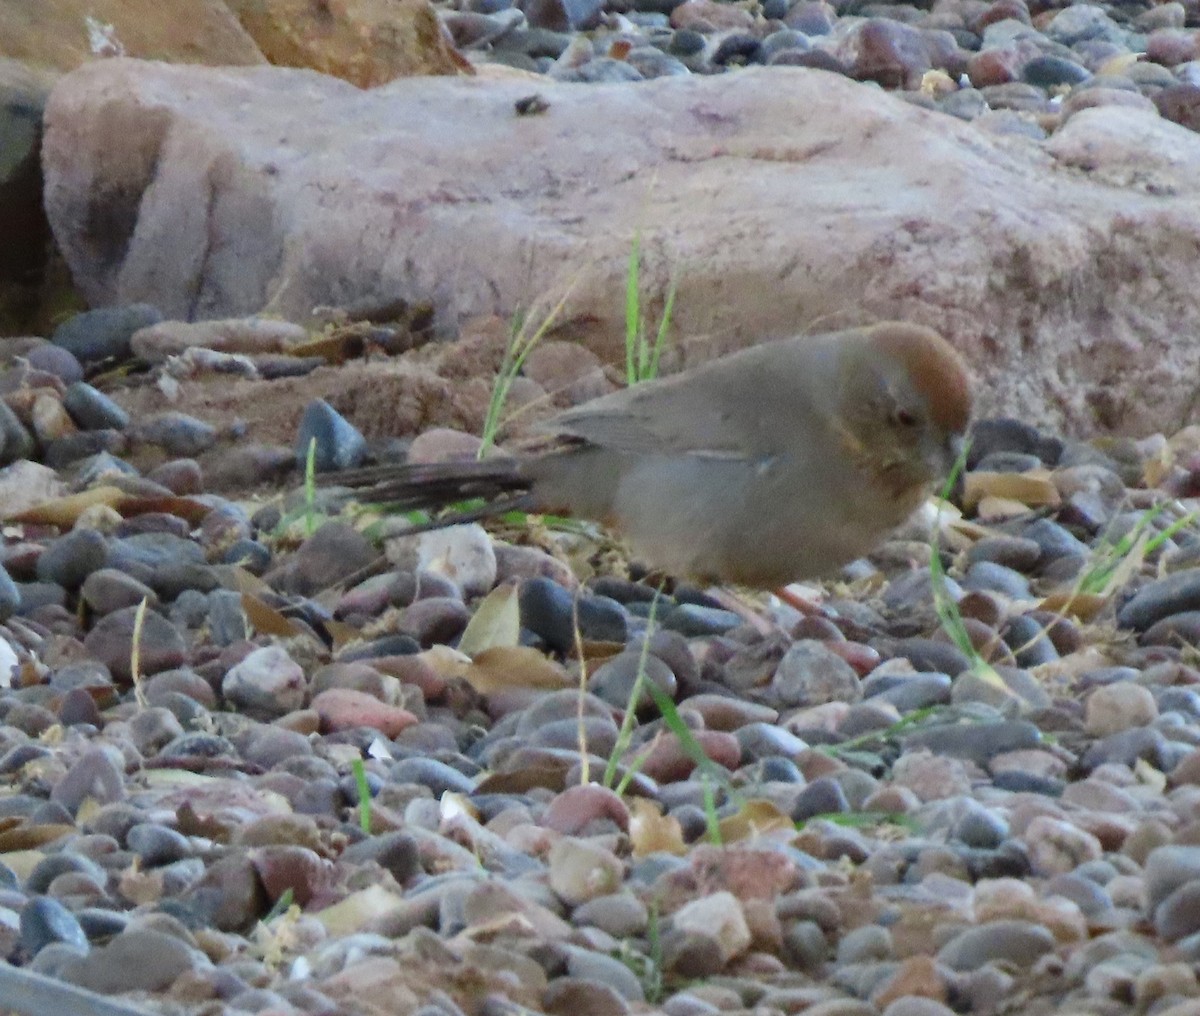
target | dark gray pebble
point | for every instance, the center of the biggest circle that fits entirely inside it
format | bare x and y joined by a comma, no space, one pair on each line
92,409
15,441
104,334
176,433
1175,594
976,741
338,444
1028,641
45,921
693,621
428,772
94,775
824,796
10,595
72,558
548,610
157,844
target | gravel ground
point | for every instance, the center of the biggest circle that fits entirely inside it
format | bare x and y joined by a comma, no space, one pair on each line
844,811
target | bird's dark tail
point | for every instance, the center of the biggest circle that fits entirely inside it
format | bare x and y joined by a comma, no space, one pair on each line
475,490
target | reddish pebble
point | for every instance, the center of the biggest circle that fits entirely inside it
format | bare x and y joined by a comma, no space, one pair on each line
994,67
862,658
571,811
1173,46
668,762
707,15
345,709
415,670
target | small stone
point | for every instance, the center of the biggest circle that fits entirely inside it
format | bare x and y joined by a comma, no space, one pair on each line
1180,104
16,443
1162,598
614,680
460,553
823,796
49,421
563,15
576,807
1117,707
1014,552
157,844
72,558
104,334
1167,868
437,776
978,742
45,921
621,915
719,917
92,409
1020,943
345,709
107,590
339,445
57,361
248,464
176,433
441,444
709,15
138,959
333,553
889,52
695,621
1057,847
580,871
96,775
180,476
111,642
1179,914
10,596
549,610
574,996
811,674
267,684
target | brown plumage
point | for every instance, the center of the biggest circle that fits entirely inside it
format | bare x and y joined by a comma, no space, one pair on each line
776,463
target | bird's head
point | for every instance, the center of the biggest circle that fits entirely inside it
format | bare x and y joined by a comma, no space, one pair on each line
903,404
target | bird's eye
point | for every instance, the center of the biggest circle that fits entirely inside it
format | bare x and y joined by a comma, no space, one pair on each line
905,418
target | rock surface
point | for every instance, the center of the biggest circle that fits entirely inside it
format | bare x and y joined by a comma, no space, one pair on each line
786,199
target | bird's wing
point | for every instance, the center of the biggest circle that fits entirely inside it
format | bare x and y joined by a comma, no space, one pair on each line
737,407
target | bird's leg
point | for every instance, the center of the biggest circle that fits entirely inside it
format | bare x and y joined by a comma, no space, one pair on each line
794,599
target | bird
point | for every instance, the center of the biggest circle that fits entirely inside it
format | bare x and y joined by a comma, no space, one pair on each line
774,464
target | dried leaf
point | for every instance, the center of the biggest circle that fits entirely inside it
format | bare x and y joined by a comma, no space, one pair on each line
31,837
753,819
1119,65
1081,606
447,663
62,512
186,508
997,509
22,862
504,667
236,577
651,831
496,622
1034,489
266,619
343,634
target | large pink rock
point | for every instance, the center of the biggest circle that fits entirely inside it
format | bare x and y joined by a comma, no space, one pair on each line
785,199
